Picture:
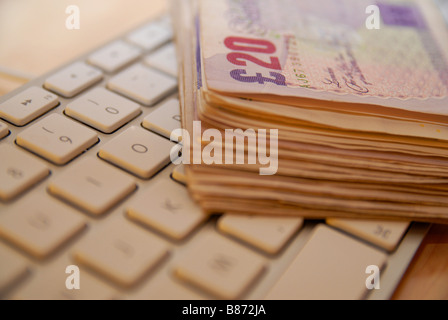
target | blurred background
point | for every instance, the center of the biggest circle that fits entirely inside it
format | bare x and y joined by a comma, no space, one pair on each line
34,39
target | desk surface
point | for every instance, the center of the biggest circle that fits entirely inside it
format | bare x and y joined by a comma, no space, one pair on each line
34,40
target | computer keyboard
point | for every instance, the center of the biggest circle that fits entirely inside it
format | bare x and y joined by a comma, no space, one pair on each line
86,180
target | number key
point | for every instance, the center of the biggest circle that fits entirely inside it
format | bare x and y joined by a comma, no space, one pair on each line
57,139
103,110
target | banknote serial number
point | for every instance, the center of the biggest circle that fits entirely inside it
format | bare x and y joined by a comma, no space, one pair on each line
239,57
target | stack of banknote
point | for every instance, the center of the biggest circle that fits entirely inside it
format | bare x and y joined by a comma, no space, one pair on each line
316,108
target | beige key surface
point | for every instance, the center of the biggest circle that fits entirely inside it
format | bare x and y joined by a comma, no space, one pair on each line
220,267
19,171
114,56
13,267
73,79
269,234
40,225
168,289
57,139
122,253
164,59
179,174
331,266
4,131
138,151
150,36
92,185
50,284
385,234
165,119
142,84
172,211
27,106
103,110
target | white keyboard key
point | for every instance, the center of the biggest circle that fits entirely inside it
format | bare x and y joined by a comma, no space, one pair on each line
57,139
179,174
4,131
385,234
172,211
151,36
164,59
27,106
269,234
138,151
50,284
103,110
123,253
19,171
40,225
142,84
12,268
114,56
165,119
331,266
73,79
92,185
220,267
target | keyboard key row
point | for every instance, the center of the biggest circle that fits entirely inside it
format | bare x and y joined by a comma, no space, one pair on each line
139,83
27,106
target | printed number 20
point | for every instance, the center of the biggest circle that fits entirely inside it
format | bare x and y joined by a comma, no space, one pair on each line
253,45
